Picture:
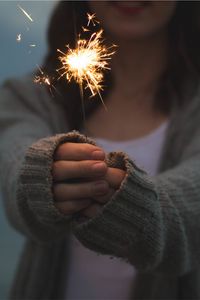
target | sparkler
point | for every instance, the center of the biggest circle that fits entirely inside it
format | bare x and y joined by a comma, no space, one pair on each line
86,63
26,14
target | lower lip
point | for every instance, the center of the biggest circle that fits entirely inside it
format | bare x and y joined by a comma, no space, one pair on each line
127,10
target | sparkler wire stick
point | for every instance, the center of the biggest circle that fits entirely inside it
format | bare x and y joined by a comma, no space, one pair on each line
80,86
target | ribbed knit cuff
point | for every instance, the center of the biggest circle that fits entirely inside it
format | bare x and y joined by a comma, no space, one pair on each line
35,195
129,223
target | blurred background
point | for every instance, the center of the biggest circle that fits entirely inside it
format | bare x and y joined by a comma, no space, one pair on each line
16,59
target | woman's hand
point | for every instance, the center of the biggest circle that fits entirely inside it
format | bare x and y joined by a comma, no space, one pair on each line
79,174
114,177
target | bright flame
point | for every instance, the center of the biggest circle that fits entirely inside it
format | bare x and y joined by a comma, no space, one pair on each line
86,63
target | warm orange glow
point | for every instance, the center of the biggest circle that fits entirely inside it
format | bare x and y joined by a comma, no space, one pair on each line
85,64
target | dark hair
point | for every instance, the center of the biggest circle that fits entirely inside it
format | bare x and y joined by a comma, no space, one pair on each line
177,83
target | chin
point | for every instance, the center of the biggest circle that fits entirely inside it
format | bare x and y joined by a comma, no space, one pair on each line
133,19
125,33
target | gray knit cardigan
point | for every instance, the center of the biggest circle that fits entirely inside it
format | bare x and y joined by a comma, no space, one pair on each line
151,222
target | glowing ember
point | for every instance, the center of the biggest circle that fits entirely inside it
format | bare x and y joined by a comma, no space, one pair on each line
91,18
19,37
26,14
86,63
42,79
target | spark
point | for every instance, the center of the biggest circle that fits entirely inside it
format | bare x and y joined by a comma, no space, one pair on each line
86,63
92,19
26,14
32,45
42,79
19,37
85,29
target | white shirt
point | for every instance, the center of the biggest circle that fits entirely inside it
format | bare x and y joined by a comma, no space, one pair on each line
93,276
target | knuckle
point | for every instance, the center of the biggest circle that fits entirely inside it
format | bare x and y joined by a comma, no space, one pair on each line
70,206
102,199
84,190
64,208
59,151
90,189
84,150
73,206
60,192
87,149
82,168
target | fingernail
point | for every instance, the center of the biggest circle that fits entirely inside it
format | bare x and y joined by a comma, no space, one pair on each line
101,187
98,154
99,168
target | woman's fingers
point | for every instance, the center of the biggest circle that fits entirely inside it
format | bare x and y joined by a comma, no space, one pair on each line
76,191
115,177
83,161
73,206
102,199
78,151
92,210
71,198
63,170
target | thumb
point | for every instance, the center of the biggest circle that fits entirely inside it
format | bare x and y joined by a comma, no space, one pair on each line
115,177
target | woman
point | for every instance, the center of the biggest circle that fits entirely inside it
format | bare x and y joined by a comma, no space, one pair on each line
58,186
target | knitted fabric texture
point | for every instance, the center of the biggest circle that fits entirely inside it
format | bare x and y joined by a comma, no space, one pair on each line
151,222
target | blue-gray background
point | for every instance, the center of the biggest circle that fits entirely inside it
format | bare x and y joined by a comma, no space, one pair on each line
17,59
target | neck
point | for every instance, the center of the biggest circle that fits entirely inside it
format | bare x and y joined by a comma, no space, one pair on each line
137,66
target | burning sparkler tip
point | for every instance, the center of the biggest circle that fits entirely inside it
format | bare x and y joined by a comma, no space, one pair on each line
86,63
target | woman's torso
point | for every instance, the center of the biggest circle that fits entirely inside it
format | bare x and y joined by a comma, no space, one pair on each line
93,276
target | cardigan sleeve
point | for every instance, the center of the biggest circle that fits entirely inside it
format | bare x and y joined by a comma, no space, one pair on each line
153,223
34,193
29,121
